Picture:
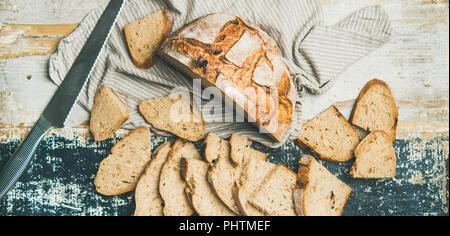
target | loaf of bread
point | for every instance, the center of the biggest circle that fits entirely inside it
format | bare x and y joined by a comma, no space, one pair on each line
145,36
243,62
376,109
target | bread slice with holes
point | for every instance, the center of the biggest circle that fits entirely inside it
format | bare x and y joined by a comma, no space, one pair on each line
375,157
376,109
329,136
201,196
107,114
120,171
147,197
145,36
176,114
241,150
253,173
171,185
321,193
275,195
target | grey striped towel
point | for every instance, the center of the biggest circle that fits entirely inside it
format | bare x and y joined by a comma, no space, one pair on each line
316,54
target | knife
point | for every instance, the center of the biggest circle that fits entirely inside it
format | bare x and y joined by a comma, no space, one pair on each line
61,104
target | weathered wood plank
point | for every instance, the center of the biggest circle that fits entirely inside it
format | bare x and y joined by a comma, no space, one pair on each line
19,40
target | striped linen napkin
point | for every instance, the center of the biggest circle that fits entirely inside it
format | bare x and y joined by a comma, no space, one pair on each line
316,54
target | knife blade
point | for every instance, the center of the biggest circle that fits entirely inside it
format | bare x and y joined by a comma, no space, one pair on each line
62,102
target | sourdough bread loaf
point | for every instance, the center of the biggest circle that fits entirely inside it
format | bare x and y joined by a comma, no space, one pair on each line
242,61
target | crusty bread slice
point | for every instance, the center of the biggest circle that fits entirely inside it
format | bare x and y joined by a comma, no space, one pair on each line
147,197
216,148
376,109
107,114
121,170
254,171
240,150
176,114
275,195
145,36
330,136
201,196
171,185
222,175
375,157
321,193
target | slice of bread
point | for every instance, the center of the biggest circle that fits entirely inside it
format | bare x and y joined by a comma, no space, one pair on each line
321,193
253,173
375,157
171,185
329,136
240,150
275,196
107,114
222,175
121,170
176,114
145,36
201,196
147,197
376,109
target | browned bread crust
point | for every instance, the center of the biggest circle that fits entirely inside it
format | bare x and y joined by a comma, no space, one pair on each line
242,61
145,36
385,119
329,136
320,193
108,114
375,157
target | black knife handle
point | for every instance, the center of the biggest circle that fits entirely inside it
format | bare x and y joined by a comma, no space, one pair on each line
19,161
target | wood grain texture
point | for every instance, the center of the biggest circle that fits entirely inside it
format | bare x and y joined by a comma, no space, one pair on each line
19,40
60,181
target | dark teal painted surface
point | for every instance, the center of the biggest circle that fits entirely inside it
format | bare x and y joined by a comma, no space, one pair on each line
60,180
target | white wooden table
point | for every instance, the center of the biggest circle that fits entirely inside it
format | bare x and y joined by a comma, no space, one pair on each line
415,64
